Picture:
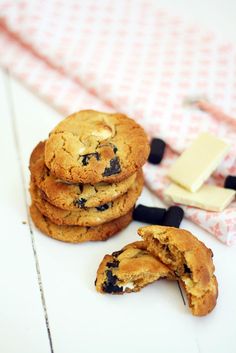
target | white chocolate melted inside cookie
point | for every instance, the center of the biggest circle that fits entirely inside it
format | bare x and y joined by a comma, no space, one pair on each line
94,137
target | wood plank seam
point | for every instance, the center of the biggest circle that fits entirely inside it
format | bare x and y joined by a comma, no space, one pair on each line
22,176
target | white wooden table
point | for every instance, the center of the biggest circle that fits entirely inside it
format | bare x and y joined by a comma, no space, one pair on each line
48,301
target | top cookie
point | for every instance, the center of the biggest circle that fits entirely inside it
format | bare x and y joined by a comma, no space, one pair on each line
91,147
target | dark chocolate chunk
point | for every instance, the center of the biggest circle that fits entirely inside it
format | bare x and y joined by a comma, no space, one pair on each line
173,216
110,277
157,151
87,157
110,285
109,288
114,263
117,253
230,182
115,149
186,269
103,207
80,203
152,215
114,167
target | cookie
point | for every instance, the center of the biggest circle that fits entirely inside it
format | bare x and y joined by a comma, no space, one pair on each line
73,196
89,216
129,270
190,260
77,234
92,147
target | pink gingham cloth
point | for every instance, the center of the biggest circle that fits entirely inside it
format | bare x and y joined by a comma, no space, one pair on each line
129,56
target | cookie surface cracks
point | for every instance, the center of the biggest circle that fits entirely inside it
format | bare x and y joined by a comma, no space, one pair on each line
90,147
71,196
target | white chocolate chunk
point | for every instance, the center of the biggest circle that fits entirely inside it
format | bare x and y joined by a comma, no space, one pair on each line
208,197
198,162
129,285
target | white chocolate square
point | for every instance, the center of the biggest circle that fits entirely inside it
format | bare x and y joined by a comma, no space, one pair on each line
208,197
197,163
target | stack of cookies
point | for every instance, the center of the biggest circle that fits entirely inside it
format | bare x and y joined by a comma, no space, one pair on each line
86,178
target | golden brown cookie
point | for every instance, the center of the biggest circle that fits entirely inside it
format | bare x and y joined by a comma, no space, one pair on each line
92,147
89,216
129,270
73,196
190,260
77,234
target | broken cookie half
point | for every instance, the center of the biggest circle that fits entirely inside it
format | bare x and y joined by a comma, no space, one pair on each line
189,259
165,252
129,270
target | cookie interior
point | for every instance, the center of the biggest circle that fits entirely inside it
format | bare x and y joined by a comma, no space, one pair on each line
129,270
189,259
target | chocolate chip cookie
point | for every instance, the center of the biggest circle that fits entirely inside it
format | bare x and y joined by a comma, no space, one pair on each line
77,234
73,196
129,270
92,147
89,216
190,260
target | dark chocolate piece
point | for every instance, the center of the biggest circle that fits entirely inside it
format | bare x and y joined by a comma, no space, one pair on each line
186,269
86,157
114,263
117,253
109,288
110,285
103,207
114,167
173,216
152,215
230,182
110,277
80,203
157,151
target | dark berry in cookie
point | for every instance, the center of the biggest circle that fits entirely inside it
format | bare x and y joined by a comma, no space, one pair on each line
103,207
86,157
114,168
186,269
110,285
80,203
114,263
117,253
